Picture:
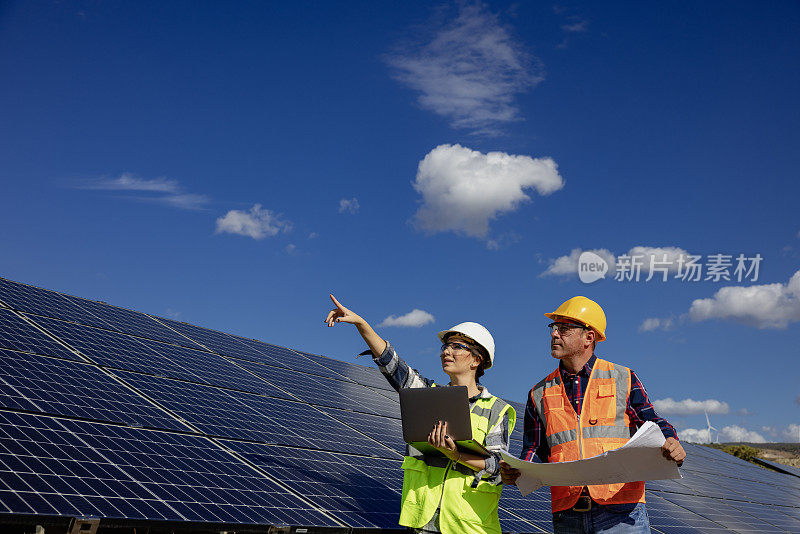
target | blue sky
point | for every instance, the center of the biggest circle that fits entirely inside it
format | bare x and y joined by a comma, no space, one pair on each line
231,164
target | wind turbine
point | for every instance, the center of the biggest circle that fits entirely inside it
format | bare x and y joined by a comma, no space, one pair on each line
710,428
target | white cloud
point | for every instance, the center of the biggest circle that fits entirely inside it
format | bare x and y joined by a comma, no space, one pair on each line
728,434
313,235
568,265
791,433
130,182
415,318
164,191
735,433
695,435
654,323
349,205
797,400
291,248
186,201
668,257
463,189
660,258
172,314
669,406
762,306
468,70
257,223
503,241
576,27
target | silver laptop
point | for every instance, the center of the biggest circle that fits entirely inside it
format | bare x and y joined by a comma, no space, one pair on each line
422,408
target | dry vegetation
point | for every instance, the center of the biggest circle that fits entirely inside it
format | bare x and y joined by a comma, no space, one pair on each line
782,453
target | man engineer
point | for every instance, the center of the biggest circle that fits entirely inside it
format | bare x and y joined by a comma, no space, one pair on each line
585,407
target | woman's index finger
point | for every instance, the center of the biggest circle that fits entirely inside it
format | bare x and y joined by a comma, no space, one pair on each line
336,302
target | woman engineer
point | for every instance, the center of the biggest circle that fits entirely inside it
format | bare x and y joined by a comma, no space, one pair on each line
456,493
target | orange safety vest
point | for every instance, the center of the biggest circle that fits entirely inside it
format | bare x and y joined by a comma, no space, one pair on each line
602,426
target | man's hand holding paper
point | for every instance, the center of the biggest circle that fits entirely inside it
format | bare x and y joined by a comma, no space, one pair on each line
641,458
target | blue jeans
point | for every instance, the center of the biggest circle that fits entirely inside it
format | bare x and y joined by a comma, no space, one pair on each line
609,519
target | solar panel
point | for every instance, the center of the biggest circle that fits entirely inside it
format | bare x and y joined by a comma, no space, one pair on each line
534,508
17,334
104,347
288,358
201,366
241,415
369,376
64,387
365,491
668,517
42,302
322,391
387,430
218,342
162,421
77,468
132,322
783,468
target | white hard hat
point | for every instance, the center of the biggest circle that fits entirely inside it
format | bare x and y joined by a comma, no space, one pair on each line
475,332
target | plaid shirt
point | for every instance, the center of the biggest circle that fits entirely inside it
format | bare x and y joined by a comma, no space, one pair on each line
639,410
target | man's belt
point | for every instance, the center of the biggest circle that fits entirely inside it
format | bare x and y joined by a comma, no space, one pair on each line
584,503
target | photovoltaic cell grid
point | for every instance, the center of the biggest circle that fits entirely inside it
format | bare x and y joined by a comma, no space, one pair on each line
323,391
131,322
63,387
780,467
365,490
245,416
88,312
320,427
17,334
42,302
75,468
387,430
369,376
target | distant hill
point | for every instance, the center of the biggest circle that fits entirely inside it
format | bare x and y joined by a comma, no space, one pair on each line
784,453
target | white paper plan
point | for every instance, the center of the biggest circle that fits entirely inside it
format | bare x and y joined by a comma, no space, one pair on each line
639,459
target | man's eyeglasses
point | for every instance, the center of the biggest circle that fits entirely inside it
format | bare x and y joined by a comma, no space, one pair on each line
453,345
564,328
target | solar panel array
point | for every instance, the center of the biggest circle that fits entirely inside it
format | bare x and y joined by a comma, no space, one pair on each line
132,418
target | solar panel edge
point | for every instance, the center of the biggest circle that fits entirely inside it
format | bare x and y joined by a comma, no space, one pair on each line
99,321
163,321
61,295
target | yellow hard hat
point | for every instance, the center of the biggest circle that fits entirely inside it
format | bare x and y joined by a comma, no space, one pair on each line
584,311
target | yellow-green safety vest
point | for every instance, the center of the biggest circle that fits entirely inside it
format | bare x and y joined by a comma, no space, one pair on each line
464,509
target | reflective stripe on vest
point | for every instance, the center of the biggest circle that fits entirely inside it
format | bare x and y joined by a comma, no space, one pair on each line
465,507
603,425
